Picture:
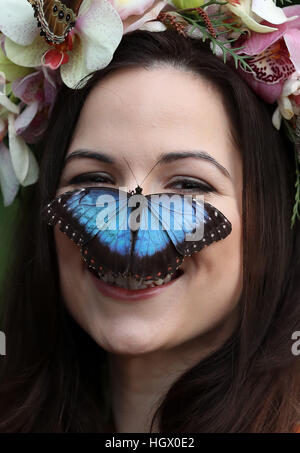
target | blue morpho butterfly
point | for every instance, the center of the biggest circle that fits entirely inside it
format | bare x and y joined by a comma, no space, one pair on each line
99,220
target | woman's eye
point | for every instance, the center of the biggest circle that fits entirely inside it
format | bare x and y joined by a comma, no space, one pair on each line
191,185
95,178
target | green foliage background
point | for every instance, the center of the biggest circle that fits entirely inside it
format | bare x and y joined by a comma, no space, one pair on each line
7,215
7,222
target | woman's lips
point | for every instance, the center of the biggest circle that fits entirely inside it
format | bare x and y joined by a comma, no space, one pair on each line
115,292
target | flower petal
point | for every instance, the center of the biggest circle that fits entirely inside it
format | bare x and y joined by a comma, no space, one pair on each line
267,10
33,170
8,181
28,56
285,107
292,40
257,43
255,26
132,23
154,26
34,132
8,105
23,160
127,8
26,88
101,30
242,9
291,11
17,21
52,77
53,59
25,118
269,93
277,118
75,70
10,69
18,150
291,86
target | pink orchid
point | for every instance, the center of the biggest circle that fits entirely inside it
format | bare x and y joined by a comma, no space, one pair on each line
275,56
140,14
37,92
128,8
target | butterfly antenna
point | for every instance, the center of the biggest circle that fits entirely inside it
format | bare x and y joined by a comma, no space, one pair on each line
131,171
150,171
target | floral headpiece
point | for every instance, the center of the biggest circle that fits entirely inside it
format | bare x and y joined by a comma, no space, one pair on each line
44,43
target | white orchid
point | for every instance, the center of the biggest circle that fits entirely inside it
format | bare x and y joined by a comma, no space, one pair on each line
140,14
289,101
9,183
8,180
252,12
90,45
17,164
128,8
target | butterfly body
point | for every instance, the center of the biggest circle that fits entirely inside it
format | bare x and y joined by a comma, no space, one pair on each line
153,250
55,18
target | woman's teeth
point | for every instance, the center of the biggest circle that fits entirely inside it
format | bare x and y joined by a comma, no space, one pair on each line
131,282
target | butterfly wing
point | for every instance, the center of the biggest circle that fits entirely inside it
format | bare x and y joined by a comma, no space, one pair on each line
154,255
105,245
56,18
155,249
187,214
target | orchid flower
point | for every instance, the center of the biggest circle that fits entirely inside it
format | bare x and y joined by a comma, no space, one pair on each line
8,180
23,160
289,101
11,70
90,45
252,12
140,14
37,92
128,8
274,57
17,164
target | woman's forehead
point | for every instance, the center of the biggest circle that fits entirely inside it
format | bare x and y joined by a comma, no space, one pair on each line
158,110
161,93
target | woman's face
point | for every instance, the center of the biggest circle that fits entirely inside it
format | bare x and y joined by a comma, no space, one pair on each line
141,115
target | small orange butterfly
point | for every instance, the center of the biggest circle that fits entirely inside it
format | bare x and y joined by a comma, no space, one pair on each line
56,18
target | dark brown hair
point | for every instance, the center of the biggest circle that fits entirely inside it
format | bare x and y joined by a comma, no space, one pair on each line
49,380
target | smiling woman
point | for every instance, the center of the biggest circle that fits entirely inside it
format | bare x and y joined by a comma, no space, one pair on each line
89,352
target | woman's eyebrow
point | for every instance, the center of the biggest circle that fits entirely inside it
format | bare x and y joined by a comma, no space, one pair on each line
89,154
167,158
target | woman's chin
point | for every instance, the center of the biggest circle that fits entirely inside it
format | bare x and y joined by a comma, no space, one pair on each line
132,342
